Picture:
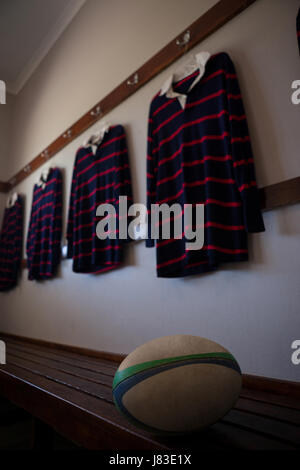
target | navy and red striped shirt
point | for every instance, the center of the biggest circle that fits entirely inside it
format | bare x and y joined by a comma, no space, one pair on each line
201,154
298,28
45,228
99,177
11,245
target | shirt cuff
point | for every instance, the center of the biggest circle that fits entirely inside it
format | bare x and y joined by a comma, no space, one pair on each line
252,214
70,250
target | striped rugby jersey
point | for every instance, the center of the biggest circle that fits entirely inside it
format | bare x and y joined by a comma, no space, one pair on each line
201,153
43,246
11,245
298,28
100,176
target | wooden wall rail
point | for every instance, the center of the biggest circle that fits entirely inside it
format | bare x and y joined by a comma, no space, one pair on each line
4,187
107,355
280,194
205,25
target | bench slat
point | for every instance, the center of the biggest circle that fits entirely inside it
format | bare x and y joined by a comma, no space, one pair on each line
284,432
96,377
110,359
96,390
93,366
265,397
268,410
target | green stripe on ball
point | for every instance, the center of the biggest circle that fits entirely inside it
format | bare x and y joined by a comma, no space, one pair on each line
132,370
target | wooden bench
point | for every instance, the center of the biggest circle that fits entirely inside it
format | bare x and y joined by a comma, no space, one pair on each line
70,390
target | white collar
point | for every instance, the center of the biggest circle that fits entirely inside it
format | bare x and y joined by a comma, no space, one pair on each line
195,62
11,200
44,177
96,139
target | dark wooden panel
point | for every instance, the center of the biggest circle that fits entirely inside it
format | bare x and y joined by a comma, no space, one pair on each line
283,432
96,377
268,410
82,364
284,401
104,355
4,187
225,436
77,383
237,437
10,414
267,384
42,436
16,436
280,194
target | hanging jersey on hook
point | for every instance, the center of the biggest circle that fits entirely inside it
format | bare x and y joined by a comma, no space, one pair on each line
199,152
45,227
101,174
298,28
11,243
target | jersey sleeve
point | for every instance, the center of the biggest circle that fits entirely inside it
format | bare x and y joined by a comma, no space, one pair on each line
11,245
19,235
57,218
30,232
241,151
122,182
122,185
151,176
298,28
70,224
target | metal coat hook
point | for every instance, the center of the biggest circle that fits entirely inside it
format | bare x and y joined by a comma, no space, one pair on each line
184,40
134,80
67,134
96,111
27,169
45,154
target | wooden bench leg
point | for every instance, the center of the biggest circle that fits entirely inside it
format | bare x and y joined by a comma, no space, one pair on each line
42,435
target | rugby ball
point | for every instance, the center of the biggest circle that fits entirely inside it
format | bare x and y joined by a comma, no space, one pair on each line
177,384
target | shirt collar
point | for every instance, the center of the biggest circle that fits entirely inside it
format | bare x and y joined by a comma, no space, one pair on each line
195,62
12,200
44,177
167,86
96,139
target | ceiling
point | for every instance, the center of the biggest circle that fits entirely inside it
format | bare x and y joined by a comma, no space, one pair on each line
28,30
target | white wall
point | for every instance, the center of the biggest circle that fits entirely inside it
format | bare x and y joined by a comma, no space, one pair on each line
251,308
6,113
2,205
